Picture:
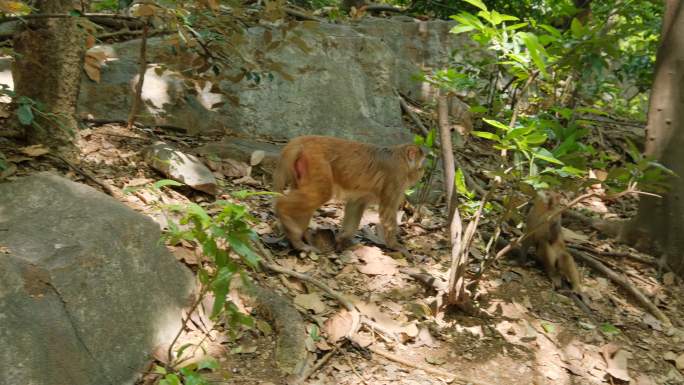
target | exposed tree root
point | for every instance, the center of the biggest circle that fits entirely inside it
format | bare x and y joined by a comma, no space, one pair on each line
625,284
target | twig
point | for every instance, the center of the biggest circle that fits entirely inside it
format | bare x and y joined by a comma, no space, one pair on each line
267,263
351,365
319,364
121,121
141,76
616,254
132,32
411,114
86,174
625,284
184,323
425,368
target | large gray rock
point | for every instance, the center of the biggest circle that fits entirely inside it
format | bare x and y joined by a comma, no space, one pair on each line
86,291
342,83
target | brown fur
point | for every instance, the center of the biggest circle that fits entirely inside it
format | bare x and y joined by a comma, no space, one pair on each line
318,168
549,243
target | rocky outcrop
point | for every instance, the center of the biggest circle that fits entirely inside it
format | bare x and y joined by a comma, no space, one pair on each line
86,290
317,78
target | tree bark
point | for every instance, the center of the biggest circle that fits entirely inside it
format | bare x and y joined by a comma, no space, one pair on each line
47,69
663,219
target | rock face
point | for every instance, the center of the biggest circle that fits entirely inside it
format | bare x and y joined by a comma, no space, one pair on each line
329,79
86,291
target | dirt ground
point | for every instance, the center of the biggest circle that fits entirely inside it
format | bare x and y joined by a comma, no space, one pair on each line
525,332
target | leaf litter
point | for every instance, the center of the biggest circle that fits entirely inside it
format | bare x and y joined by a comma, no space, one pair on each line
532,331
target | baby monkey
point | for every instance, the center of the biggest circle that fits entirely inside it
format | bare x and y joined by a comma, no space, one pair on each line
549,243
318,168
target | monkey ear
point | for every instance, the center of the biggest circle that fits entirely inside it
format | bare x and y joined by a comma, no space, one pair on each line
413,152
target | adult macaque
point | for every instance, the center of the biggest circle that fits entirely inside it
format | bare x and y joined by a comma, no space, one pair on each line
318,168
547,237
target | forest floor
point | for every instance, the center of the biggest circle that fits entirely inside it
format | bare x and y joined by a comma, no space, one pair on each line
527,333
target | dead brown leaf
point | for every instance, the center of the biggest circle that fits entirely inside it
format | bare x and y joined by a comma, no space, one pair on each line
235,168
337,326
257,157
376,262
616,361
310,301
35,150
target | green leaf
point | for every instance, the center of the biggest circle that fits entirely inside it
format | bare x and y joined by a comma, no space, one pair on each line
609,329
430,139
546,155
170,379
487,135
535,49
166,182
549,328
244,250
159,369
220,286
194,379
461,186
461,28
25,114
516,26
477,3
208,363
576,28
496,124
551,30
535,139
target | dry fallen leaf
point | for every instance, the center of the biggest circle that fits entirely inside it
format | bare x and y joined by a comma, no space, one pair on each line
235,168
93,64
616,359
187,255
35,150
652,321
376,262
337,326
248,180
679,362
424,338
257,157
310,301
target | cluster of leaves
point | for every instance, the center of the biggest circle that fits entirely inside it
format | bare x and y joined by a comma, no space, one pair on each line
224,234
564,75
189,375
228,230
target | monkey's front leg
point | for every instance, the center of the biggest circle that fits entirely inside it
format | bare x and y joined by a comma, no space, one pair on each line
388,222
353,212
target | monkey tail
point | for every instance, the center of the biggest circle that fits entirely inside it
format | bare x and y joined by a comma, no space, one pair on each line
284,175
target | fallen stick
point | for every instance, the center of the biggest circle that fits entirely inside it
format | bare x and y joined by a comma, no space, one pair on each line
616,254
625,284
319,364
267,263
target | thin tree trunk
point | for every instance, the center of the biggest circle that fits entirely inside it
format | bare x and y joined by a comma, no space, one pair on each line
47,69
